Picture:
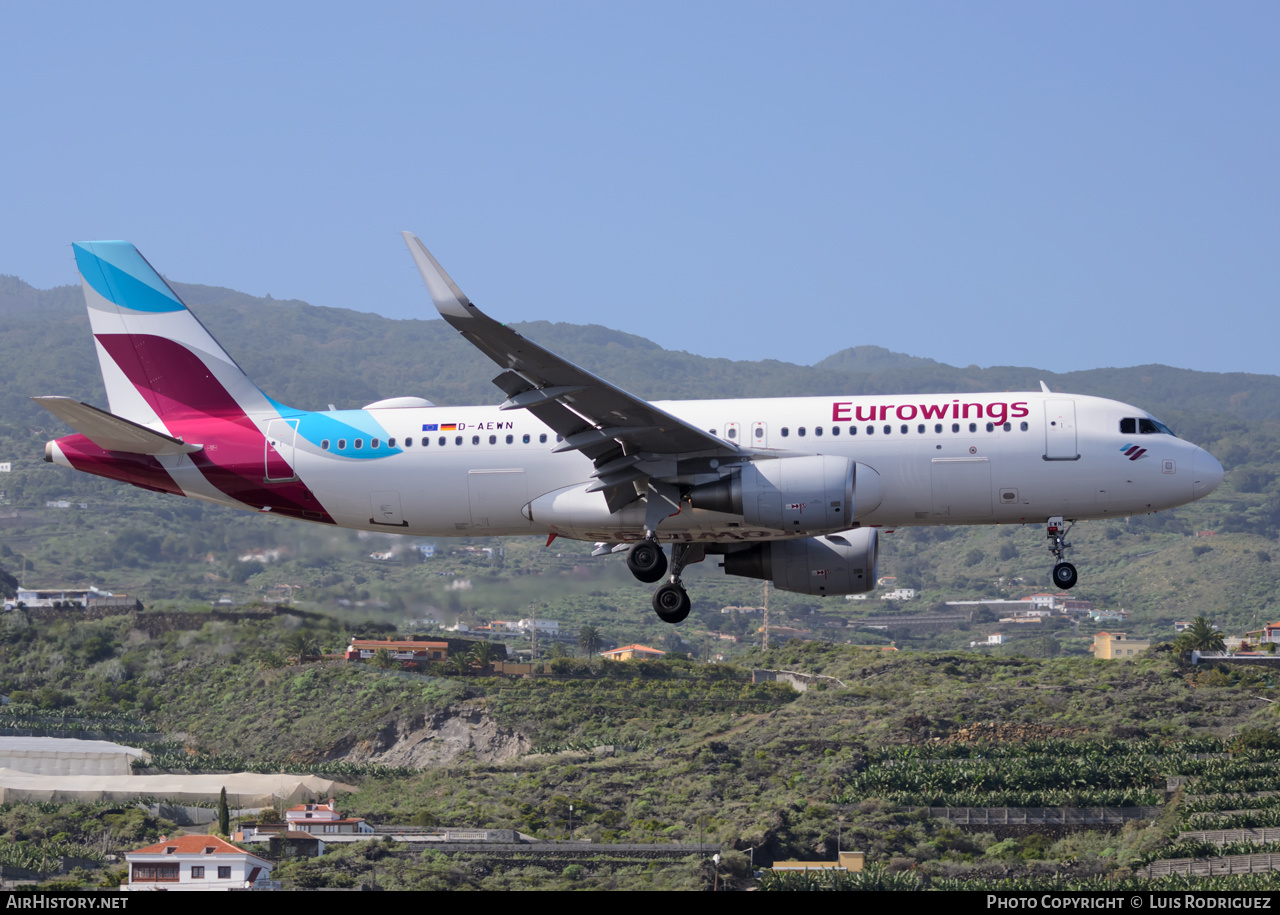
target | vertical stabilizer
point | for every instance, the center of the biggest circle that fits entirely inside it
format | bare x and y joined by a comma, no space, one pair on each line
159,364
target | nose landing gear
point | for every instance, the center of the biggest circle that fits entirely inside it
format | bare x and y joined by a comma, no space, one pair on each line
1064,573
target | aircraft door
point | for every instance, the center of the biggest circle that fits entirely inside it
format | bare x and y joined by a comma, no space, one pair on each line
278,451
759,435
1060,430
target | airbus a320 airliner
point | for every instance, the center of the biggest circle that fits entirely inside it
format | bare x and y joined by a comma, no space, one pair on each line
793,490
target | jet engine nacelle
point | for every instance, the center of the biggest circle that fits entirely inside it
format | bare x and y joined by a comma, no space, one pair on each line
843,563
810,493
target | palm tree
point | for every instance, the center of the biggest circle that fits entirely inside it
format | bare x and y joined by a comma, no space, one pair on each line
589,639
1200,636
305,645
482,654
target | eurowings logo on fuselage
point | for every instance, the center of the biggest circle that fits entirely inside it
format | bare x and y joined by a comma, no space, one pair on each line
1133,452
999,411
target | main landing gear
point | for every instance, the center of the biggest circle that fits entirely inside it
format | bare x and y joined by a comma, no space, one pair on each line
648,563
1064,573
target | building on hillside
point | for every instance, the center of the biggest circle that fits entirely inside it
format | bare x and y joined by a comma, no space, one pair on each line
627,652
363,649
1268,634
900,594
324,819
1112,646
543,627
852,861
71,599
1101,616
994,639
196,863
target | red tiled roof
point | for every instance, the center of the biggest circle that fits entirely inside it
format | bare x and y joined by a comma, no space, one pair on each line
191,845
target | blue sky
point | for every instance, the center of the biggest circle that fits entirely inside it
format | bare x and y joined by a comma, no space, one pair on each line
1061,185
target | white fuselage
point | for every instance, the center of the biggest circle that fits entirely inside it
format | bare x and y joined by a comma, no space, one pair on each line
975,459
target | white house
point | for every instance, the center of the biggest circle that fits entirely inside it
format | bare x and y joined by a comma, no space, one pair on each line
196,863
323,819
549,627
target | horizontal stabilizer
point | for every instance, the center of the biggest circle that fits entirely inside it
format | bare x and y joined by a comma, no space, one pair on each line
110,432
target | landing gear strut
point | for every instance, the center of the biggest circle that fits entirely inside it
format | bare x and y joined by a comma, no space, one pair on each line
1064,573
671,601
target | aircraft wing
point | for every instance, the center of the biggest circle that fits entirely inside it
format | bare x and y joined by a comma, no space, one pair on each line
620,432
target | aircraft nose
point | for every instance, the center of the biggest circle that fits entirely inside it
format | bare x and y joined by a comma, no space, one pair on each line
1206,474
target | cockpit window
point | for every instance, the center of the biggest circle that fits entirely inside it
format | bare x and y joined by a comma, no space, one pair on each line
1141,425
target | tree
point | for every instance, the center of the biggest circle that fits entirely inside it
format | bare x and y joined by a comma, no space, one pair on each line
589,639
1200,636
305,645
224,815
482,654
382,659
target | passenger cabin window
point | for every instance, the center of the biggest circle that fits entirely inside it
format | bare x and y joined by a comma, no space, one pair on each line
475,439
525,438
853,430
457,440
493,440
785,431
443,440
324,445
510,439
817,430
359,443
342,444
391,443
543,438
800,432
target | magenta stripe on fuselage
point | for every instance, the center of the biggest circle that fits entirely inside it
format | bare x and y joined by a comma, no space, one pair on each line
196,407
